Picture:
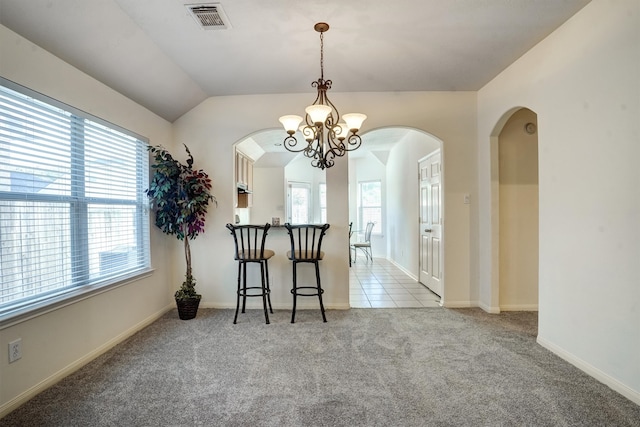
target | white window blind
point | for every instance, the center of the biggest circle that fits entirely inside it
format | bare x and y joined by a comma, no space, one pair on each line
370,205
73,212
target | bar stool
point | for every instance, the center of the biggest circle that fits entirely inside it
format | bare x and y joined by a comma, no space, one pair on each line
306,241
249,241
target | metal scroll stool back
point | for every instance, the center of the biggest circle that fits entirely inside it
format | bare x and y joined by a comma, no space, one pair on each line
249,248
306,243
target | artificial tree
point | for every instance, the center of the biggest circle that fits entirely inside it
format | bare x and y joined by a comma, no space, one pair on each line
180,196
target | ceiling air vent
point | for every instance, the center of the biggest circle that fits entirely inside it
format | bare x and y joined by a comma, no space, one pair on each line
209,16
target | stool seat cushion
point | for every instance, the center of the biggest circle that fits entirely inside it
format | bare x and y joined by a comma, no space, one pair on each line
254,255
305,255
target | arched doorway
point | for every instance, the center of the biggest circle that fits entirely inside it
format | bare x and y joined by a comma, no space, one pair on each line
516,226
391,156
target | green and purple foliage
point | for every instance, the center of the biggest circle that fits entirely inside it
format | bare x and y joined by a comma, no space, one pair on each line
180,196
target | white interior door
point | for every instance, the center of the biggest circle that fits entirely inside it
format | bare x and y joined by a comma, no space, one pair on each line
431,222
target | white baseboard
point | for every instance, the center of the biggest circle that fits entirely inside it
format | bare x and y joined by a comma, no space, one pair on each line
459,304
519,307
71,368
488,308
591,370
404,270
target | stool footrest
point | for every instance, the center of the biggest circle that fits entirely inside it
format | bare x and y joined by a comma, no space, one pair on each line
246,293
317,291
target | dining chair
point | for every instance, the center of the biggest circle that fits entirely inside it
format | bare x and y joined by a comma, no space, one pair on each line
249,243
306,244
364,246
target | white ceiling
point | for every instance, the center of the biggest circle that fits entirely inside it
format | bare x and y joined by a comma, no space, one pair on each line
153,51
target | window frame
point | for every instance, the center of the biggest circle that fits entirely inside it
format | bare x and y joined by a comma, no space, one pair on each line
13,312
377,229
299,184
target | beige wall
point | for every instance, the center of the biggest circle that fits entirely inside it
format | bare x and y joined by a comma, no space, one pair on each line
518,211
55,343
269,195
214,126
583,83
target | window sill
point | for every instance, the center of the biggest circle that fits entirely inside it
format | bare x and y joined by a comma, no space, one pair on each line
30,311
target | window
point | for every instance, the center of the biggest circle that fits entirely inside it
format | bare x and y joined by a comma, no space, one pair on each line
73,212
299,198
322,192
370,205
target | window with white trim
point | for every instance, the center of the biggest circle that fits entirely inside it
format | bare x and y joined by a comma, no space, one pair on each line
299,202
370,205
73,212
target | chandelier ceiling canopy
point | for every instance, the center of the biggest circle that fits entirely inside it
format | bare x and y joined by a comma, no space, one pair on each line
326,134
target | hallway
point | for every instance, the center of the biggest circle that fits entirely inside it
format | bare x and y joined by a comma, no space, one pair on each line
383,285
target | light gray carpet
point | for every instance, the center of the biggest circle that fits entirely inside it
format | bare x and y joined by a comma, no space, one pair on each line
372,367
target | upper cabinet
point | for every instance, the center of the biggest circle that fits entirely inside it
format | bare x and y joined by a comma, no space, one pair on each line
244,180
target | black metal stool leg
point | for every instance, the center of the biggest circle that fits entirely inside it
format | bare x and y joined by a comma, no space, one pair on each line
235,319
244,286
320,292
266,269
294,291
264,293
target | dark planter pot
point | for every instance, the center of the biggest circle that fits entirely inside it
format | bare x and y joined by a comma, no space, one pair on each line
187,308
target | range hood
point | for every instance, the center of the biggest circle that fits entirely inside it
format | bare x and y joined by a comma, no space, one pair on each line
243,189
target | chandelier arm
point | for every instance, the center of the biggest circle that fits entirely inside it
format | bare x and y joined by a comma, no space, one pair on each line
310,151
319,85
309,133
353,142
290,142
331,120
336,146
339,149
327,160
314,147
317,163
331,138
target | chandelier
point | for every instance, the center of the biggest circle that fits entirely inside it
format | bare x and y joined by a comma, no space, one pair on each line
326,136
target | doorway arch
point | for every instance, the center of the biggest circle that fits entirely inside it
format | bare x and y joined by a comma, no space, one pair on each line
399,148
410,145
514,171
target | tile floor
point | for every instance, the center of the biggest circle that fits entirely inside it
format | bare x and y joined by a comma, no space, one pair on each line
383,285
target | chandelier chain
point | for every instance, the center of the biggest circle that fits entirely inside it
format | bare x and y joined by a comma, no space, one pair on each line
322,56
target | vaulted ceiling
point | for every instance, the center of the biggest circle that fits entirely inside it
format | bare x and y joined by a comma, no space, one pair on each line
156,53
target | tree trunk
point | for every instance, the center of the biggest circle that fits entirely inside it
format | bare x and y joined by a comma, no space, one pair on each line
187,256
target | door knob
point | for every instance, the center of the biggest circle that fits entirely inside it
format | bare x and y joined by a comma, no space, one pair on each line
427,230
